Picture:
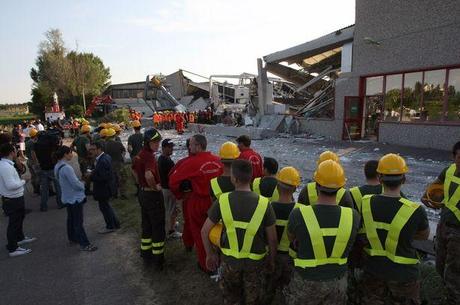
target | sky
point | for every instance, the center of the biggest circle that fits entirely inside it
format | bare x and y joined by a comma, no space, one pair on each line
136,38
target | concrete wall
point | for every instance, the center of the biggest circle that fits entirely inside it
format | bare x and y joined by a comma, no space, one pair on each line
328,128
425,136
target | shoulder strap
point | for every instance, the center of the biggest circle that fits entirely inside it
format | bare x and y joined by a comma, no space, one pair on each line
340,194
357,197
216,189
59,169
256,185
312,193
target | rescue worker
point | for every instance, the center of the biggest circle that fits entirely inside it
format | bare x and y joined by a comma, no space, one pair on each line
156,120
266,185
117,129
145,169
197,172
309,194
135,141
249,228
116,151
32,162
247,153
161,120
288,180
448,230
391,268
324,234
228,152
81,146
179,123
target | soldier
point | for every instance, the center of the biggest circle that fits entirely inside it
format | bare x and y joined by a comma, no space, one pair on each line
249,223
116,151
448,230
391,266
266,185
150,198
81,146
324,234
223,184
288,180
309,194
32,162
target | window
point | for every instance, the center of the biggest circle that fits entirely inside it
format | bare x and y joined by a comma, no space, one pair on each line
374,85
453,95
433,95
412,96
392,100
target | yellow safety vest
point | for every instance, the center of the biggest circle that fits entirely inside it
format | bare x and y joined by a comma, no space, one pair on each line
451,202
216,189
342,236
284,241
357,197
313,194
250,228
394,230
256,189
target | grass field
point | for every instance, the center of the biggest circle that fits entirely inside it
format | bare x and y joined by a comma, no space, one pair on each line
15,119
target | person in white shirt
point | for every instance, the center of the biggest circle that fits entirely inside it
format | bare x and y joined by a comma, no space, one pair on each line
39,125
12,192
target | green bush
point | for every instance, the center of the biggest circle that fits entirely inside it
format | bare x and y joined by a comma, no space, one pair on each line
118,115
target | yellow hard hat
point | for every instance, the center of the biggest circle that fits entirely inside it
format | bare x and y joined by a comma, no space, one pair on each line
136,123
289,175
328,155
33,132
103,125
435,193
392,164
85,128
229,151
110,132
103,132
109,125
84,122
215,233
116,127
330,174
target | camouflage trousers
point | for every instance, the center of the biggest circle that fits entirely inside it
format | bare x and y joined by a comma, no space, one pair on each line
120,177
84,164
280,278
242,282
447,260
380,292
355,277
306,292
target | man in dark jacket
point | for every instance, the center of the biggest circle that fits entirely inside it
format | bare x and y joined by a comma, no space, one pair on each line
103,186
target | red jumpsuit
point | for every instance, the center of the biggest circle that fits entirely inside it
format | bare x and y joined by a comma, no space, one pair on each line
199,169
179,123
256,161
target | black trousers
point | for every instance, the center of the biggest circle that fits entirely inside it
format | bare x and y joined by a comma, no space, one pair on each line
153,225
75,230
15,210
111,220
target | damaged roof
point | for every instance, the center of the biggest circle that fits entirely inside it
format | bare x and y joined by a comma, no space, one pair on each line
326,44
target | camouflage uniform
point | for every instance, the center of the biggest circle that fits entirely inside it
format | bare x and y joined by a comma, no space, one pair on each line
305,292
276,281
242,282
447,260
380,292
121,177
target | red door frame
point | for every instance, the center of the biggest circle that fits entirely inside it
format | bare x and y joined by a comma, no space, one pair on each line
358,120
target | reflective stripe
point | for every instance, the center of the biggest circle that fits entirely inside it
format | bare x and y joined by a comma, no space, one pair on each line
313,194
284,244
452,202
357,197
216,189
316,233
162,250
146,247
394,231
160,244
250,228
146,244
256,186
146,240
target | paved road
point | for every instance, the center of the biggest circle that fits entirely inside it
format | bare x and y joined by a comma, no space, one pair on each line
56,273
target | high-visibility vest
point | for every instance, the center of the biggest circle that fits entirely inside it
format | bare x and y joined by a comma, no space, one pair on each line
215,187
451,202
250,228
357,197
342,235
394,230
313,194
284,243
256,188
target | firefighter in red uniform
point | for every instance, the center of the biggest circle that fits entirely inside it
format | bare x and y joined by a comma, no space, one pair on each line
179,123
145,170
197,171
247,153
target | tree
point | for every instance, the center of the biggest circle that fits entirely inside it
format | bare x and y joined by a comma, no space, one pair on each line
75,111
72,75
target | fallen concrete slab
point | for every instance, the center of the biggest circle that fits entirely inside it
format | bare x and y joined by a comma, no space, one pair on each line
230,131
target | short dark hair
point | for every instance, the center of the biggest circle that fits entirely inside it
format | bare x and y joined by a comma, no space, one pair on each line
201,140
286,187
244,139
5,137
271,165
392,182
6,149
456,148
61,151
242,171
370,169
98,145
137,128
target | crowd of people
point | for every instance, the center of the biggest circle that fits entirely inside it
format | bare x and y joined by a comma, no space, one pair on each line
331,245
